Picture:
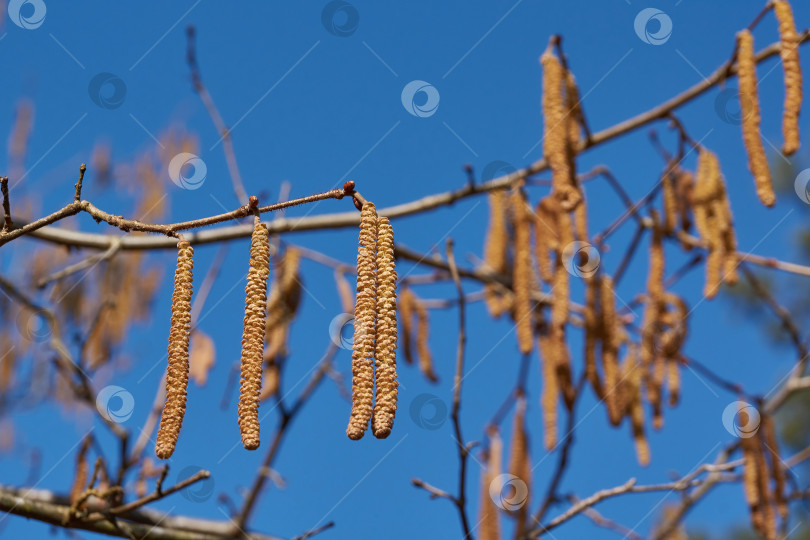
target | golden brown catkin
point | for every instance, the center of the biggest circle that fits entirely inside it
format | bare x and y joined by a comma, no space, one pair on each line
253,336
385,392
749,109
422,348
668,180
520,461
522,272
551,387
592,334
636,411
611,337
789,51
177,373
555,128
364,325
82,470
495,248
407,305
546,236
750,476
768,528
777,466
489,519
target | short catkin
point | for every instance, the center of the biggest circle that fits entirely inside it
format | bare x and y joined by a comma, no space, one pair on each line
522,272
177,372
364,325
789,51
253,336
385,392
749,106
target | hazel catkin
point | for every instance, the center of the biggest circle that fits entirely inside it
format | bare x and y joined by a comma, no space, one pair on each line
522,273
177,372
253,336
364,325
789,51
488,518
495,248
555,128
385,392
520,462
749,106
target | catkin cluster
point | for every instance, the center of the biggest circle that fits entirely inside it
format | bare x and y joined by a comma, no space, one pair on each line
253,336
789,51
177,373
410,308
375,329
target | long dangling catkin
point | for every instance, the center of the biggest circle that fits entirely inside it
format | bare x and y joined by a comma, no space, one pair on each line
253,336
636,409
777,466
670,198
406,306
489,518
789,51
611,332
82,471
385,392
522,272
495,248
555,128
750,477
573,110
551,388
768,528
282,303
749,108
177,373
364,325
422,348
651,359
546,236
520,461
592,333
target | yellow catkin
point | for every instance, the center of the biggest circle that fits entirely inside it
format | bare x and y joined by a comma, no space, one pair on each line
673,342
573,109
651,359
551,389
611,332
777,466
789,51
546,237
364,325
522,272
750,477
177,373
282,304
668,181
555,128
749,109
488,519
495,249
520,462
592,334
768,527
406,306
385,393
253,336
422,348
636,411
561,295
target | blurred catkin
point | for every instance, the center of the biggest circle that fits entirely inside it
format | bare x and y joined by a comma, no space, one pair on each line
777,465
488,518
551,387
751,117
177,373
611,337
520,461
546,236
253,336
592,333
364,325
385,393
495,248
422,348
522,272
633,377
555,128
406,306
789,51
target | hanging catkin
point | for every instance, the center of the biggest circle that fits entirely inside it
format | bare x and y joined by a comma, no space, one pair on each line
422,348
573,110
488,518
592,333
82,470
668,180
177,373
611,336
253,336
750,477
636,411
777,466
520,461
555,128
282,304
651,358
789,51
495,250
768,528
749,109
522,272
385,392
551,387
406,305
364,325
546,236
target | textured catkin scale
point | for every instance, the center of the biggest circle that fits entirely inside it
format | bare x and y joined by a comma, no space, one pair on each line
385,396
520,461
749,108
777,466
177,372
522,272
495,248
546,236
555,128
253,336
365,323
488,517
611,335
789,51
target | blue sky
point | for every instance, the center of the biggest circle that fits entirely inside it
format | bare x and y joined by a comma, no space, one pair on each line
315,109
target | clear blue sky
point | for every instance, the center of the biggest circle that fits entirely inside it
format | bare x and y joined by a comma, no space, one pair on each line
315,109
